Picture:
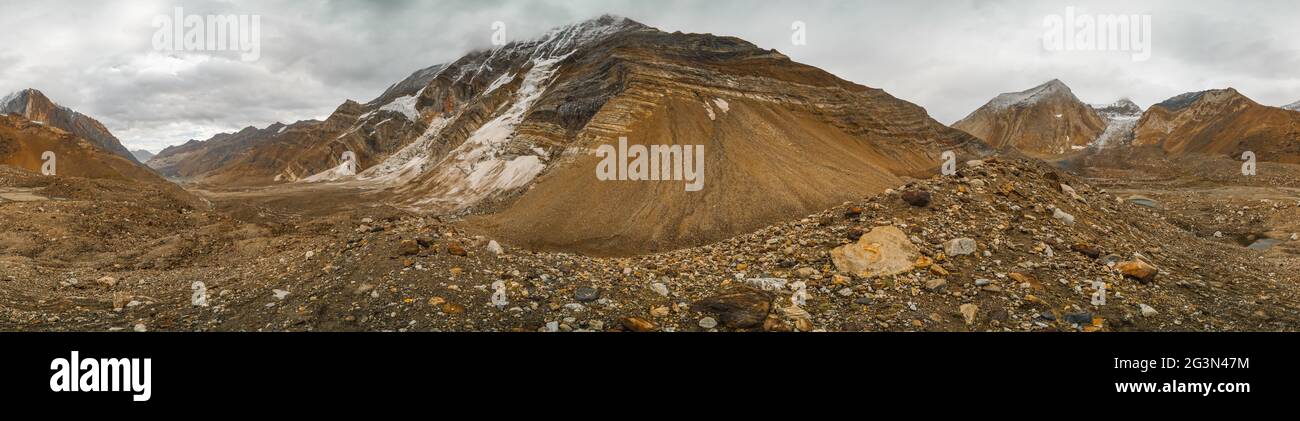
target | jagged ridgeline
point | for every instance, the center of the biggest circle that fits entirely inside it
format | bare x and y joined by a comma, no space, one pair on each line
509,136
34,106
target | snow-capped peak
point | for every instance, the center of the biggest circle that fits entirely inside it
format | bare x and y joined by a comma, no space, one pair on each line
1030,96
7,102
1123,107
1294,106
564,40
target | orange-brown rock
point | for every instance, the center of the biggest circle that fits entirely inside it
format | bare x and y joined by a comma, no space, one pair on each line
1046,121
1221,122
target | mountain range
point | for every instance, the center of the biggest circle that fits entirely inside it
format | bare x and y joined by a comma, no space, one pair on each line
509,139
1049,122
509,135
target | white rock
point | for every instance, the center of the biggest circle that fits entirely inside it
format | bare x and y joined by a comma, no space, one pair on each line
1065,218
659,288
708,323
139,327
1147,311
1070,191
279,293
767,284
495,248
960,247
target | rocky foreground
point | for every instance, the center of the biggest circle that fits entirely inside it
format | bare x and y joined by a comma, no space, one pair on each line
1002,246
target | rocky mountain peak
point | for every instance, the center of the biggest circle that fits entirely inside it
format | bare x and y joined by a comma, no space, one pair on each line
1124,106
1208,97
1046,120
1051,89
1294,106
33,105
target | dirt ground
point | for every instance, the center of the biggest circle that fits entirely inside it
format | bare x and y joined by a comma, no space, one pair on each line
85,255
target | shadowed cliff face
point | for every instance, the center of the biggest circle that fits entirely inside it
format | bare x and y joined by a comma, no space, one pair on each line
35,106
1047,121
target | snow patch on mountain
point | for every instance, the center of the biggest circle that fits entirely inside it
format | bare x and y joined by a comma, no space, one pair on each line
409,162
722,105
343,171
565,40
403,105
1030,96
1294,106
1121,120
480,167
501,81
10,102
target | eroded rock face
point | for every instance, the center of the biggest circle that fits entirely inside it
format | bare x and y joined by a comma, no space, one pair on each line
882,252
1046,121
35,106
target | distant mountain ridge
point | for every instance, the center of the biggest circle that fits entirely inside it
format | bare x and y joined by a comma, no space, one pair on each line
142,155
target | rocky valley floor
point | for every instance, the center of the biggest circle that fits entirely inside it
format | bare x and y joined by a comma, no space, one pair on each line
1004,245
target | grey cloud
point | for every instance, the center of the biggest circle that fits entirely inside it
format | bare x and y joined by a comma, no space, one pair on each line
949,56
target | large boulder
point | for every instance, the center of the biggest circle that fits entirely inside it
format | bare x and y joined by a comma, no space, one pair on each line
882,252
738,308
1139,270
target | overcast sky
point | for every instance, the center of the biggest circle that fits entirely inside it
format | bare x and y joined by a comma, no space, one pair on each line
949,56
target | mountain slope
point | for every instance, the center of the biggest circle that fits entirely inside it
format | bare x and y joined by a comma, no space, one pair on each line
23,142
1221,122
780,139
35,106
1045,121
196,158
1294,106
285,153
